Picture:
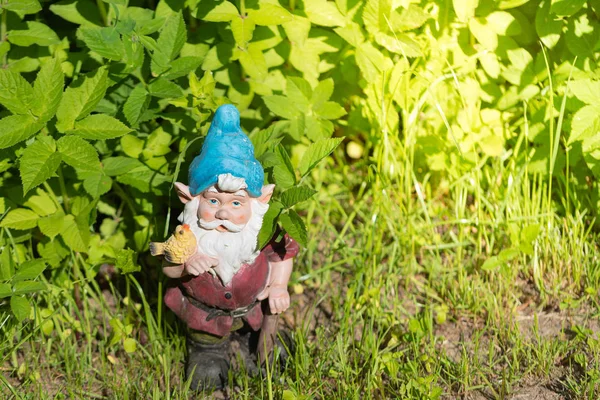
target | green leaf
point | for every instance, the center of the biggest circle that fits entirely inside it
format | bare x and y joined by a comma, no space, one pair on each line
297,127
483,33
253,61
134,53
5,290
53,251
78,153
582,35
136,105
100,127
299,92
281,106
52,225
75,234
48,90
400,43
316,152
284,173
23,6
105,41
330,110
370,61
503,23
144,179
158,143
35,33
548,27
81,98
127,261
296,195
376,15
508,254
25,287
16,128
322,93
506,4
221,12
132,146
20,219
170,42
16,94
566,7
39,162
528,236
351,33
20,307
323,12
7,268
41,203
586,90
465,9
269,223
489,62
218,56
294,226
410,18
585,123
130,345
164,89
114,166
182,67
242,29
80,12
270,14
97,184
203,87
30,270
317,129
491,264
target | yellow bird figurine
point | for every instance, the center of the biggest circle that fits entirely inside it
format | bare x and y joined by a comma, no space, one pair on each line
178,248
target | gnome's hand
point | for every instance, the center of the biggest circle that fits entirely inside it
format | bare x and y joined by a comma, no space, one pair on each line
279,299
200,263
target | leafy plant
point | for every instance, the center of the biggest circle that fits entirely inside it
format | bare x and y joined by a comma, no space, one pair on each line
98,110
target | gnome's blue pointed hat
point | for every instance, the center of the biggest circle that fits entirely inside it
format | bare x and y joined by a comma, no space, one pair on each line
226,149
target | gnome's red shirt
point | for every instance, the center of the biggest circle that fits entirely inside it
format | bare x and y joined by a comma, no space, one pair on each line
209,291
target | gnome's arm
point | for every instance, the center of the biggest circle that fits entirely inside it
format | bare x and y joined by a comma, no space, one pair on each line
279,298
197,264
281,260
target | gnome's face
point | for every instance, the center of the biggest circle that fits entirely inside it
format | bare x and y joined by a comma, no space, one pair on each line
224,211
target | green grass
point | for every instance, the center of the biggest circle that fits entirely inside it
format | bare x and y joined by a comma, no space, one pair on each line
394,304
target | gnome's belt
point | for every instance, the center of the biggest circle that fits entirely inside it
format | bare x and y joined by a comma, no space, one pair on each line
214,312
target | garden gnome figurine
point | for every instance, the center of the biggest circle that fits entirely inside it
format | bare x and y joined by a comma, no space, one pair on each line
227,284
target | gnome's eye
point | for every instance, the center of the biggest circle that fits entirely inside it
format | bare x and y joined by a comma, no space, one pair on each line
213,201
236,203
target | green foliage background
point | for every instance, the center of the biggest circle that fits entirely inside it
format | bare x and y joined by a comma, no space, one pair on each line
103,102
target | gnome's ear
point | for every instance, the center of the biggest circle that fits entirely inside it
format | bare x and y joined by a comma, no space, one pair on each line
183,192
266,193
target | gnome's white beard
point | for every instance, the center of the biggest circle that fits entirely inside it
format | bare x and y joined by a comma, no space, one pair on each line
232,249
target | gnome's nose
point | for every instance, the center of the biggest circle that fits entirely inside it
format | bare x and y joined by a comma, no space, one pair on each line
222,214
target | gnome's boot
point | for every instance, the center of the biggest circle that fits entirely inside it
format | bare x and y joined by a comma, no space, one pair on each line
207,361
246,349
